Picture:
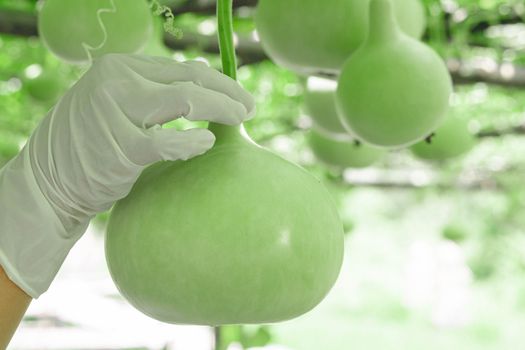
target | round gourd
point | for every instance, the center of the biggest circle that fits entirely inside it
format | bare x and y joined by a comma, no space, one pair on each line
237,235
394,90
343,154
452,139
312,36
319,104
76,30
45,87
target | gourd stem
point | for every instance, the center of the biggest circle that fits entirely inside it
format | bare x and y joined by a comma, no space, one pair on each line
382,24
228,58
225,32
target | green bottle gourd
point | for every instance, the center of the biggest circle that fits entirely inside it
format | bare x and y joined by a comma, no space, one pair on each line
79,30
45,87
237,235
319,105
342,153
313,36
393,91
452,139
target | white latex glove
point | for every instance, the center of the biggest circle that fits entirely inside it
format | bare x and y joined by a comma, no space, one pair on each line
92,146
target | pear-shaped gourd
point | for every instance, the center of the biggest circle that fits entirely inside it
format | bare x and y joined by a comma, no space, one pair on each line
319,105
394,90
452,139
237,235
45,87
343,153
79,30
313,36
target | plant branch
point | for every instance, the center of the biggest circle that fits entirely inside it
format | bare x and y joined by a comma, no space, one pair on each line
514,130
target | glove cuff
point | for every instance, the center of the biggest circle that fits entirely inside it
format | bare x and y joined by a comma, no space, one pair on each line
33,240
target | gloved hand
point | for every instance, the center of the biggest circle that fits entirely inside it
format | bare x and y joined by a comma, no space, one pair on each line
92,146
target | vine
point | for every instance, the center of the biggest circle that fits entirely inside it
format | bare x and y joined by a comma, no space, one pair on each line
166,13
227,53
225,33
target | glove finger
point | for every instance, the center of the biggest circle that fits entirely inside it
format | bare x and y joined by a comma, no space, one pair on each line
214,80
167,71
193,102
172,144
197,64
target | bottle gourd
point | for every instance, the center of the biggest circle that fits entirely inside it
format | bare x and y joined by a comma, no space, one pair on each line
79,30
393,91
237,235
452,139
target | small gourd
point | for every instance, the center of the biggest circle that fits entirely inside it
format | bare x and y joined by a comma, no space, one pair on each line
78,30
452,139
393,91
319,105
343,153
45,86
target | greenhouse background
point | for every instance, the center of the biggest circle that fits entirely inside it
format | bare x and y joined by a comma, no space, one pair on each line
435,251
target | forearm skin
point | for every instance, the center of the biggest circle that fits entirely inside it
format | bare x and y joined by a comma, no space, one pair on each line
13,305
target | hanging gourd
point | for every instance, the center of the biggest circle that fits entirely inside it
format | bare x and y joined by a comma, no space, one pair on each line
452,139
42,85
319,105
313,36
78,30
394,90
237,235
343,153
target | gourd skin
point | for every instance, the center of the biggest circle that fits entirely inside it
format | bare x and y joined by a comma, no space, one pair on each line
312,36
320,106
344,154
237,235
67,27
411,17
452,139
155,45
394,90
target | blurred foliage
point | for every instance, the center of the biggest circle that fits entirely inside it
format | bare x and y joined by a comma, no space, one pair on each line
21,5
245,337
472,206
